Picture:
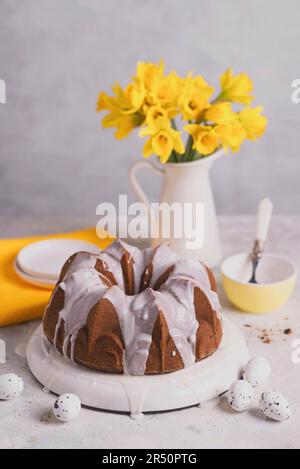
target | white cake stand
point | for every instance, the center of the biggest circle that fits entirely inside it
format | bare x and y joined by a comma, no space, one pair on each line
200,383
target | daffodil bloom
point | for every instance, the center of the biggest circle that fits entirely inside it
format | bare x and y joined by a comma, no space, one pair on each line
236,88
148,72
205,140
163,139
155,112
202,86
192,106
253,122
194,98
165,93
128,101
219,112
231,135
134,95
124,109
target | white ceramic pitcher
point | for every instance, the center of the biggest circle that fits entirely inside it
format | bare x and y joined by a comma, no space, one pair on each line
185,183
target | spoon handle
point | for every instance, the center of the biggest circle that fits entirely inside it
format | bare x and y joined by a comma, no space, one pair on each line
264,214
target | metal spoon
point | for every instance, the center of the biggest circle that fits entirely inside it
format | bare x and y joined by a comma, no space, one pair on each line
263,219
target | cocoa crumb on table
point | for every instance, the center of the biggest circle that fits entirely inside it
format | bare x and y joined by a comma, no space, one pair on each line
268,335
267,340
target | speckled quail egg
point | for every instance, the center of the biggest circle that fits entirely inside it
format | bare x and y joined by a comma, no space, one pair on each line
275,406
240,395
257,371
66,407
11,385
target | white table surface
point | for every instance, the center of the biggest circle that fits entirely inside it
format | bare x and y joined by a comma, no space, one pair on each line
27,422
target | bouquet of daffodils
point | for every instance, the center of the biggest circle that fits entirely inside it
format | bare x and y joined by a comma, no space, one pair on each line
166,105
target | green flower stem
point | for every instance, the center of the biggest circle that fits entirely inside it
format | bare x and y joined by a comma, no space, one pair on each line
188,155
172,158
173,123
218,99
175,157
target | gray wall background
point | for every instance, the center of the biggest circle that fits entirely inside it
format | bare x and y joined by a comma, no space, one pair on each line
56,55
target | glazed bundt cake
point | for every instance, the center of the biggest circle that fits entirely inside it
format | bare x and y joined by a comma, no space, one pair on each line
134,312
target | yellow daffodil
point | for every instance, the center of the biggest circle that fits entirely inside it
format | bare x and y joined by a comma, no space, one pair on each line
205,140
160,90
128,100
165,93
219,112
155,112
231,135
163,139
124,109
253,122
202,86
192,106
194,97
135,95
148,72
236,88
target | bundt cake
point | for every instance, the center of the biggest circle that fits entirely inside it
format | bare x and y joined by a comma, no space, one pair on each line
134,311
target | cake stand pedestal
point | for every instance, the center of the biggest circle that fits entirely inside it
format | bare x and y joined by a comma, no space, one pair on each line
196,385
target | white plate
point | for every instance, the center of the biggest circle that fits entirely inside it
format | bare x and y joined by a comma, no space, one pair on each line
36,281
44,259
200,383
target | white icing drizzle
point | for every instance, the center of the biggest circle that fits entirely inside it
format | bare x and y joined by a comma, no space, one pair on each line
137,256
136,330
82,260
137,314
196,273
162,259
83,289
113,265
112,257
179,313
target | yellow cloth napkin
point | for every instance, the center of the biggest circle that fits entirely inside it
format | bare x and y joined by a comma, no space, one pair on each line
20,301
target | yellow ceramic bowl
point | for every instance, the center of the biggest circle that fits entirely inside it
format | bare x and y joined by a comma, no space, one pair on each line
276,280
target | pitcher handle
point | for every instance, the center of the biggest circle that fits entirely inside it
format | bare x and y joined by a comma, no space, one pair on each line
140,194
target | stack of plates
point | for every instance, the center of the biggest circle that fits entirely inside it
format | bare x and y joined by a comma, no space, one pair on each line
40,263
